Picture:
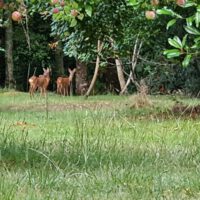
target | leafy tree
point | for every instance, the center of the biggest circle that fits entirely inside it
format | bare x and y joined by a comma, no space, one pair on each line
186,13
187,46
117,20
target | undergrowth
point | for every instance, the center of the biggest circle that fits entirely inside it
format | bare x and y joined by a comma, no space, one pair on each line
106,151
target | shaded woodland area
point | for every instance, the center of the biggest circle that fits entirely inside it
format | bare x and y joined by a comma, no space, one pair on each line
124,34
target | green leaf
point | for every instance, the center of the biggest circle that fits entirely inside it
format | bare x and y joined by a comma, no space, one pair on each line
189,4
184,40
171,23
165,11
196,40
175,42
189,20
198,8
88,10
74,5
133,2
195,46
73,22
186,60
1,49
177,39
197,19
171,53
80,16
192,30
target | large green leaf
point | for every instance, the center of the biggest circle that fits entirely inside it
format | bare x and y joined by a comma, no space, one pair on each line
171,53
166,11
1,49
189,20
197,19
175,42
171,23
184,40
189,4
192,30
73,22
133,2
80,16
197,40
186,60
88,10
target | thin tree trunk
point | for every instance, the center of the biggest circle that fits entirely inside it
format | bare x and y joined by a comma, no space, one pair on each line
120,74
81,77
10,82
59,59
28,40
132,76
99,49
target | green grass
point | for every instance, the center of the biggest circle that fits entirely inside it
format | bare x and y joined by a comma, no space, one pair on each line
96,149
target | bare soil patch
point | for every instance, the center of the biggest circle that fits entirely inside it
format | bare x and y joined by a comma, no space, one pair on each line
186,110
59,107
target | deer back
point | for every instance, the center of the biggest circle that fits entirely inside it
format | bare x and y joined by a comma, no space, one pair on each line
65,81
43,81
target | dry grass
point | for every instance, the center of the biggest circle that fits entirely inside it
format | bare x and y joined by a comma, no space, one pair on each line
141,100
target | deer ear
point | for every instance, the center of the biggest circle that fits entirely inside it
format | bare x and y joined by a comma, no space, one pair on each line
74,70
44,70
69,70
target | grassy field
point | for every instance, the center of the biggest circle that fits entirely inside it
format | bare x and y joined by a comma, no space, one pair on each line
72,148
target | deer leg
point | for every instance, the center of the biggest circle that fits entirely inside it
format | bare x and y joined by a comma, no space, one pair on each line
67,90
59,89
64,91
30,91
44,91
33,89
41,91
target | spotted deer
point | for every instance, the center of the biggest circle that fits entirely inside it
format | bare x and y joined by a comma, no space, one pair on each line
40,82
63,83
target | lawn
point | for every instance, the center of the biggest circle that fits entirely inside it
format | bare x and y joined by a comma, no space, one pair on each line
72,148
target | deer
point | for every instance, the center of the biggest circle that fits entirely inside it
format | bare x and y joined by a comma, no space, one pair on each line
40,82
63,83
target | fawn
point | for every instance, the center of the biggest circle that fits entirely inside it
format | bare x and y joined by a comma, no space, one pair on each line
63,83
40,82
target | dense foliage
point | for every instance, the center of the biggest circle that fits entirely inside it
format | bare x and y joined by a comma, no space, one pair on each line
76,26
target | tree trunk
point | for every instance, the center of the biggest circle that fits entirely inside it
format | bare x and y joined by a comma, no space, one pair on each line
120,74
10,82
81,78
2,58
119,67
59,59
99,49
132,75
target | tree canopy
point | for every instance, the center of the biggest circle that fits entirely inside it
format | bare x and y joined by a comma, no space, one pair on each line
167,30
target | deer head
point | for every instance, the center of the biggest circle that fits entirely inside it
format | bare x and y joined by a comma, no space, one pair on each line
71,73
